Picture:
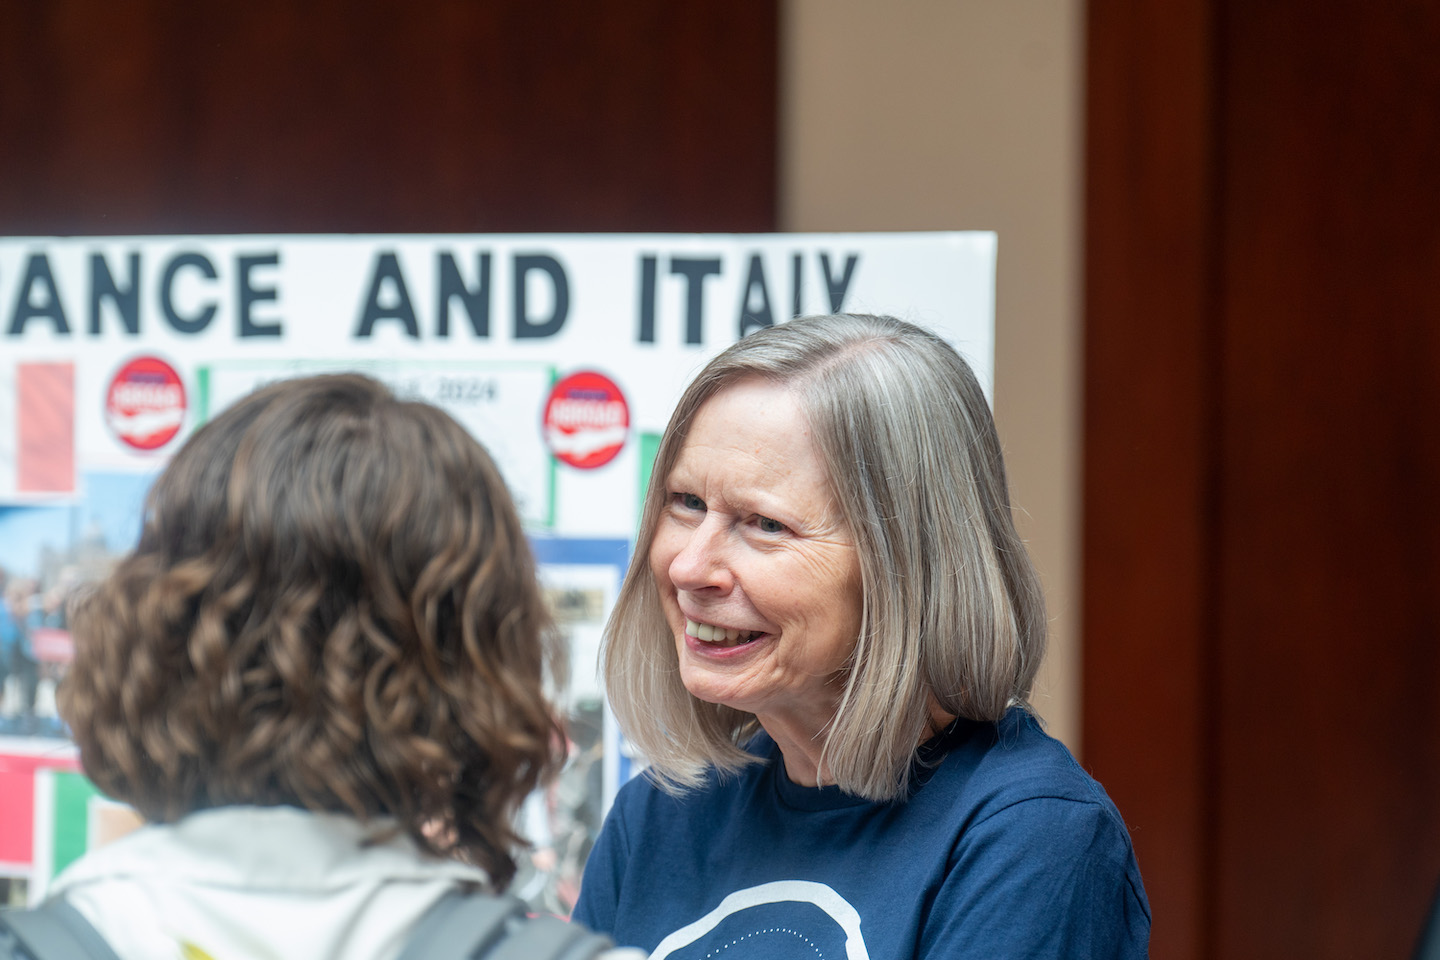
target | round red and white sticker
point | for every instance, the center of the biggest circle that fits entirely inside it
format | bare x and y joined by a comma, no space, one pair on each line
145,404
586,420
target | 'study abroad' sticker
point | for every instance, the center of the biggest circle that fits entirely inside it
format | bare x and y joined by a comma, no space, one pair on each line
586,420
145,404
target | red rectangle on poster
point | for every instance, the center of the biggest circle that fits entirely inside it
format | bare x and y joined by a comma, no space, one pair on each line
45,404
17,800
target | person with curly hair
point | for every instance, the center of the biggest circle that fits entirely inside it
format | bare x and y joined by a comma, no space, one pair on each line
320,679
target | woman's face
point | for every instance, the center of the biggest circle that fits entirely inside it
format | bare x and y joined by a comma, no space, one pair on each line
756,569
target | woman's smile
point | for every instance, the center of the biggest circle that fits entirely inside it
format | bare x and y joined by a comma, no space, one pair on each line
719,636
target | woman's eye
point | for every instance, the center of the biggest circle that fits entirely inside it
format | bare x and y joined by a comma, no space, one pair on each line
691,502
770,526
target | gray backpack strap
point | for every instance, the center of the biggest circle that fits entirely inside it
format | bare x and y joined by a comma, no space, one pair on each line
55,930
461,926
550,938
481,926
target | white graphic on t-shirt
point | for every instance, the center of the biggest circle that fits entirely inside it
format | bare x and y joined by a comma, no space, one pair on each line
780,891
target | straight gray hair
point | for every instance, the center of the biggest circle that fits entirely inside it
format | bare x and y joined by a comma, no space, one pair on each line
952,606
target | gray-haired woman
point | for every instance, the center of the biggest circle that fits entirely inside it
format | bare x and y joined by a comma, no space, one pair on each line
824,646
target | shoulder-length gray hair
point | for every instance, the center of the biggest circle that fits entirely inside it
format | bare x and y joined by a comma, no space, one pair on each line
952,607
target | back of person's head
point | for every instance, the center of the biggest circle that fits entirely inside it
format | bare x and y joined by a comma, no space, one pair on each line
332,606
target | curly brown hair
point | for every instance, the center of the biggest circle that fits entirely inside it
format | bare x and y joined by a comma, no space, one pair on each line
332,606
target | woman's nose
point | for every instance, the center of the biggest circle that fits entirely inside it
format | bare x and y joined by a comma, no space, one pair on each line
701,563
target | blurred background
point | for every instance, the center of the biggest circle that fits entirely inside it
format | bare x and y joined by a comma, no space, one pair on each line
1217,342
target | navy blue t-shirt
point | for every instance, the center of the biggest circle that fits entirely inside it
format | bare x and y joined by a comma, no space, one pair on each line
1005,848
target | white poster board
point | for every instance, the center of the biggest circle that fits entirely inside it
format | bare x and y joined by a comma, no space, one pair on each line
563,354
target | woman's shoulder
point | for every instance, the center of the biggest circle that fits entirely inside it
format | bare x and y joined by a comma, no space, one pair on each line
646,796
999,764
1017,795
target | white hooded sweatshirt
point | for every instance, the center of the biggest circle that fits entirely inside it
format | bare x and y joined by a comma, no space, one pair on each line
260,883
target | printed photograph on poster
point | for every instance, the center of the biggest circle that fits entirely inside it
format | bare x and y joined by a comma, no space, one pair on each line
581,580
46,554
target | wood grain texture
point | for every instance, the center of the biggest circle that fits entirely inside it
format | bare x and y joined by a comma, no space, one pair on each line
1150,404
1262,542
1329,838
162,116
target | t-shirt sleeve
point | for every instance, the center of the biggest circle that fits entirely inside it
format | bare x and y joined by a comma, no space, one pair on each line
604,873
1041,878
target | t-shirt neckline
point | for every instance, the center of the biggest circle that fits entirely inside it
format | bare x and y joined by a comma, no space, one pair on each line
927,759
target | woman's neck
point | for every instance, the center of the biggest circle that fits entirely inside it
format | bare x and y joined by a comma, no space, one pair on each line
801,744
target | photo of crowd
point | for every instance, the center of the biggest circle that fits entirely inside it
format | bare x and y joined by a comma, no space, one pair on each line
35,649
47,554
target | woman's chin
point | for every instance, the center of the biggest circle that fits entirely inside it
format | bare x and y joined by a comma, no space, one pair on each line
706,685
708,693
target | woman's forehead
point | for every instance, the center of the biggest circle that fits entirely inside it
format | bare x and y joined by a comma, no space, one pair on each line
752,442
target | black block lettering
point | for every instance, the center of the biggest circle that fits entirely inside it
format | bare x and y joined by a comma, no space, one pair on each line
126,299
200,320
37,274
387,267
647,301
837,290
695,272
755,309
797,277
532,328
249,295
476,302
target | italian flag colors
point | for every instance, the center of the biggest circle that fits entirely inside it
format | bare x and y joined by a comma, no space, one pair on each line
37,430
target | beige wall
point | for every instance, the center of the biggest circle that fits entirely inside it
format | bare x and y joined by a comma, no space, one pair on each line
940,115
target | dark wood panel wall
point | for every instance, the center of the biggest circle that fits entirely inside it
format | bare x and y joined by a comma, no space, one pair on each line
168,116
1262,466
